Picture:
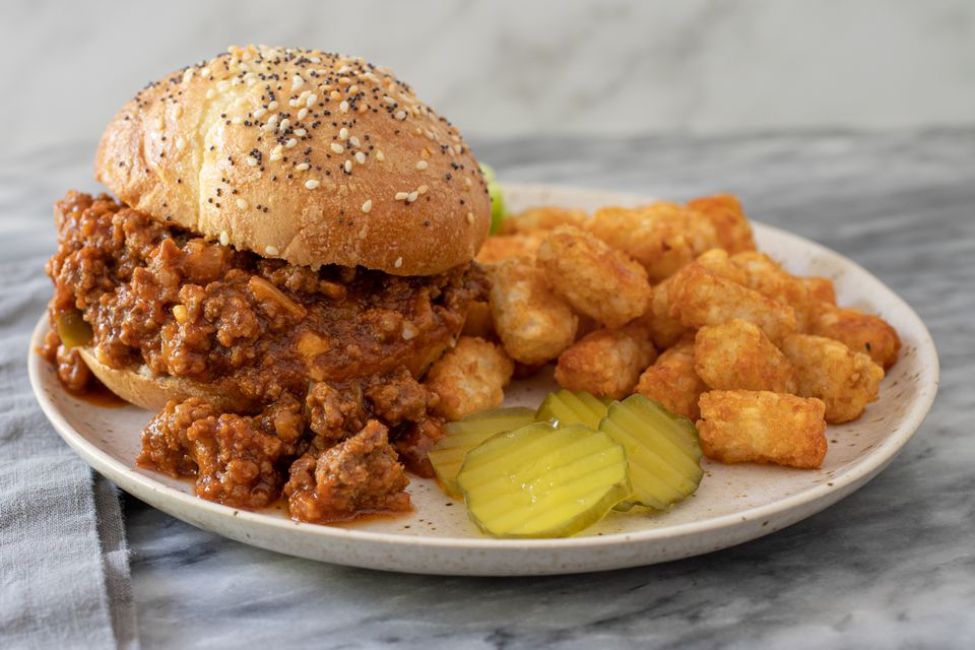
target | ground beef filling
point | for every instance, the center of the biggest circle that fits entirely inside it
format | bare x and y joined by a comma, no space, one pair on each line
326,361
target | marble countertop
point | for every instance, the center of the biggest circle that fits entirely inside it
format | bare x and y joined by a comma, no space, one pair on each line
891,566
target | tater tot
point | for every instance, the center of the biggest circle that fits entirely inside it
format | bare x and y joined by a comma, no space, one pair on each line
719,262
593,278
858,331
699,297
533,323
664,330
738,356
845,380
501,247
820,289
478,321
662,236
469,378
741,426
541,218
724,211
766,276
672,381
606,362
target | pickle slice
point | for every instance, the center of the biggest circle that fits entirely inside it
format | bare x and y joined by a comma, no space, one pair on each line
72,329
448,454
662,449
540,481
568,407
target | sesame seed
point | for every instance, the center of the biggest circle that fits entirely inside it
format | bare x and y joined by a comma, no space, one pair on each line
347,166
310,100
273,106
344,133
303,113
400,114
364,231
205,72
251,160
367,206
302,167
399,262
421,164
301,133
290,143
354,141
380,156
389,100
412,196
270,250
242,204
285,123
271,121
337,148
344,106
401,196
360,157
334,94
422,189
276,153
259,113
224,238
311,184
297,82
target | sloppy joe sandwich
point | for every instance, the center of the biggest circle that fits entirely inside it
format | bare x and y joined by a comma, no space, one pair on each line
289,249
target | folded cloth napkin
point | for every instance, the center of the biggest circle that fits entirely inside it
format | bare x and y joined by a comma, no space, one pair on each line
63,557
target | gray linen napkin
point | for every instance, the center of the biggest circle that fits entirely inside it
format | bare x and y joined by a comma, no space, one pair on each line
63,557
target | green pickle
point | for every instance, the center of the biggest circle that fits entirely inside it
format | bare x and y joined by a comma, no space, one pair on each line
568,407
541,481
72,329
663,451
448,454
498,210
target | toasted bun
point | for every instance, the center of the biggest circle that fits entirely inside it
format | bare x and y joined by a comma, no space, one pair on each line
312,157
142,388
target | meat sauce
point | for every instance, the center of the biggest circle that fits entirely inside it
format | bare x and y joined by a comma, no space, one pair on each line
325,362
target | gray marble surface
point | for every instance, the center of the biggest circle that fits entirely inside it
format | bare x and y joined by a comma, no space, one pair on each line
510,67
891,566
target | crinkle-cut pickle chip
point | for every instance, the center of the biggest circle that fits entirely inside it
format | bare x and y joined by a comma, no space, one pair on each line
568,407
462,436
540,481
663,451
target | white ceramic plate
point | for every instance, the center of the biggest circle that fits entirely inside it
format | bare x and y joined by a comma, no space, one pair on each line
734,503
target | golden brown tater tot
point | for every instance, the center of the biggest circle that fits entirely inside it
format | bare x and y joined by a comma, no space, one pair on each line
858,331
501,247
741,426
662,236
544,217
820,289
469,378
738,356
699,297
845,380
672,381
533,323
767,277
596,280
606,362
730,222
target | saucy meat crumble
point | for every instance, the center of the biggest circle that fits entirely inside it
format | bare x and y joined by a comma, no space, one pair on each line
322,365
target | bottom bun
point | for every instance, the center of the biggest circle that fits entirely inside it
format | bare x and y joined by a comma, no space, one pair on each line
141,387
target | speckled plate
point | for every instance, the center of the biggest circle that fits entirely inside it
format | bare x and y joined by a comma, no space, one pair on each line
734,503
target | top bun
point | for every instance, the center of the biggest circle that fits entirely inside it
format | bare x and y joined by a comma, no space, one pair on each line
311,157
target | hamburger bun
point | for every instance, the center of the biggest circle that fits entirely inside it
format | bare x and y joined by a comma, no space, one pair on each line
140,387
311,157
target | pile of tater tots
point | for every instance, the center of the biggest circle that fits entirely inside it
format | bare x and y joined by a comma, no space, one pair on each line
673,302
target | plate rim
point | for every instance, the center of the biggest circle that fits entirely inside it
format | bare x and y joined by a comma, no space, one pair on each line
841,485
